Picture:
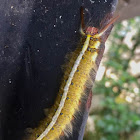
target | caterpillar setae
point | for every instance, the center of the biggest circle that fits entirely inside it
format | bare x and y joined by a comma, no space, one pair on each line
72,90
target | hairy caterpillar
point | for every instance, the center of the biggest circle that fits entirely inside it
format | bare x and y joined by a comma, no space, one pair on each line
76,79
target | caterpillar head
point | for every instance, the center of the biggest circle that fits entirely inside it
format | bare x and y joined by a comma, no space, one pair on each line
92,30
96,32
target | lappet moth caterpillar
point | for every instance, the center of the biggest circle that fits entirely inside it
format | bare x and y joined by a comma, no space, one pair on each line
76,79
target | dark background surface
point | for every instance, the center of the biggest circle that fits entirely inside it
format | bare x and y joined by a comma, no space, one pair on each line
35,37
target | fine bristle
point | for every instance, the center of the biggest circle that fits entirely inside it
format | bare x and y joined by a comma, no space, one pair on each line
82,63
108,25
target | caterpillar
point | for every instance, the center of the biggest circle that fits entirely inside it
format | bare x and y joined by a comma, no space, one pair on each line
75,80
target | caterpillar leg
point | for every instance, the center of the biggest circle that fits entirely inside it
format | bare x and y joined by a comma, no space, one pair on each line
92,50
96,50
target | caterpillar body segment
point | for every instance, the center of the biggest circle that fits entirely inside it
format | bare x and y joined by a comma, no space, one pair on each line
70,94
77,77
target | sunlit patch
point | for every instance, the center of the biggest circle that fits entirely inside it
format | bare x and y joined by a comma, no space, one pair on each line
107,84
90,124
136,90
115,89
134,67
108,72
128,38
126,55
125,85
113,76
125,23
128,99
132,95
100,73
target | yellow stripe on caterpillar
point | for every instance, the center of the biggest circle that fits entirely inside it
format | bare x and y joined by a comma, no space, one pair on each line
71,93
66,88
